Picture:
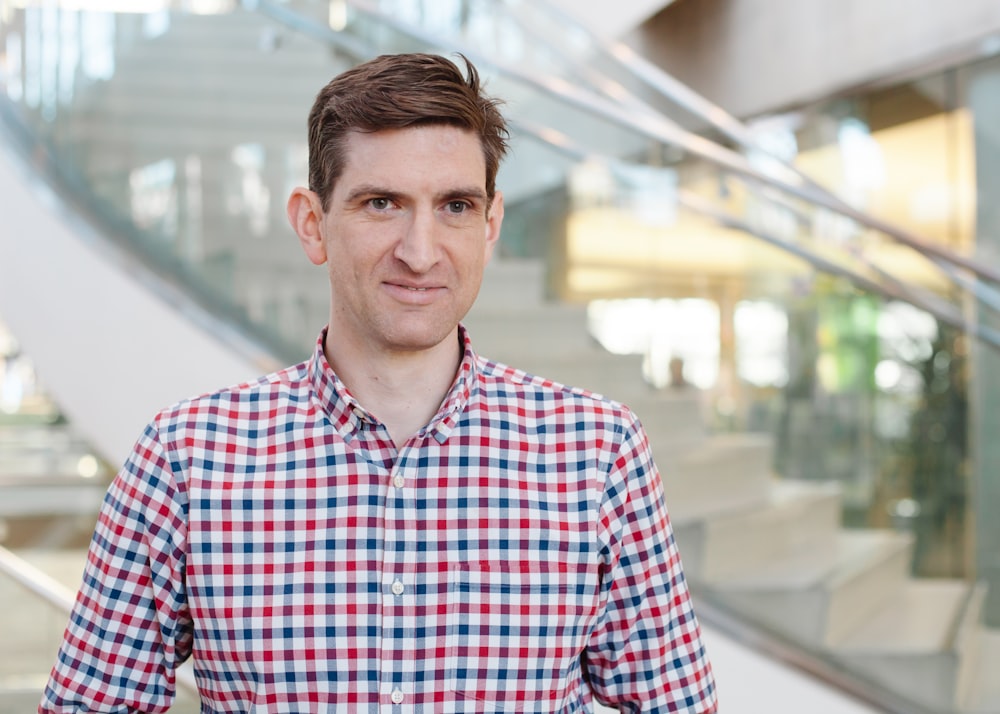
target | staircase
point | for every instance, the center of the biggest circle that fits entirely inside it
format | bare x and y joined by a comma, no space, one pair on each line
198,138
771,552
768,551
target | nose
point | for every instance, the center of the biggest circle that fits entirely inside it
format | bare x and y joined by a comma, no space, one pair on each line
417,247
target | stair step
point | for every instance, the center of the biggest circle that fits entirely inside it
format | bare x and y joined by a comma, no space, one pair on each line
548,331
798,517
509,282
184,24
41,463
21,693
617,377
167,133
184,105
921,618
38,436
227,73
260,52
160,136
513,324
816,598
71,496
673,421
909,645
724,473
186,31
983,696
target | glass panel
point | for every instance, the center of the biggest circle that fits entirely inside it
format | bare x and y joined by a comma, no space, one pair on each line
980,89
795,315
51,485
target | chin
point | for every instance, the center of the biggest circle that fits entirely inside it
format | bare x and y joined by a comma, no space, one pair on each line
419,340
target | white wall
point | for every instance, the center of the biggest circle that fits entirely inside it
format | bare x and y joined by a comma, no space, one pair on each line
755,56
595,15
111,351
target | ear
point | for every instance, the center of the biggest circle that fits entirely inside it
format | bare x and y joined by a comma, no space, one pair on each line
305,213
493,223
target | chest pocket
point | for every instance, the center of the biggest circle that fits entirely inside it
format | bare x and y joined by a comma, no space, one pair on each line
515,635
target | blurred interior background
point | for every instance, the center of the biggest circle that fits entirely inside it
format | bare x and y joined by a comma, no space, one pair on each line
771,227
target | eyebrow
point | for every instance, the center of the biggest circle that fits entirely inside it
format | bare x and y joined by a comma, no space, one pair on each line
453,193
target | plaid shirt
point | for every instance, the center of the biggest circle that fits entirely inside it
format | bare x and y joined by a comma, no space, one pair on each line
514,555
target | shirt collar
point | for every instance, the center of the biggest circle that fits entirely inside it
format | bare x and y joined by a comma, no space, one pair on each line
347,415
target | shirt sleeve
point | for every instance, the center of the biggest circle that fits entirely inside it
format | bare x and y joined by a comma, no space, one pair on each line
130,627
646,653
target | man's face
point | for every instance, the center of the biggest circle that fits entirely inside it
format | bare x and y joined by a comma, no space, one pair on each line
407,235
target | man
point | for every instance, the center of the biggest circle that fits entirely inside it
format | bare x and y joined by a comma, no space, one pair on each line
397,524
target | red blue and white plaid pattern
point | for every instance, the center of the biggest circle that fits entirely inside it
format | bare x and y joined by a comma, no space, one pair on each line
515,555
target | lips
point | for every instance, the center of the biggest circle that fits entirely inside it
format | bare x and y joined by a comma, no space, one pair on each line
413,294
413,288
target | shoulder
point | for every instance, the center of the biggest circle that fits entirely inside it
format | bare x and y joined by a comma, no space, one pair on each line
283,390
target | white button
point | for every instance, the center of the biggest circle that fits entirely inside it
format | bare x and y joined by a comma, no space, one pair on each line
397,696
397,588
398,481
359,413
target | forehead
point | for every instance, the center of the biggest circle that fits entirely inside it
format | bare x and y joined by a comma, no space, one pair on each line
419,150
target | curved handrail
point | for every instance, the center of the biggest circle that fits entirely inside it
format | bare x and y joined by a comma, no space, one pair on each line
62,599
895,290
655,126
637,115
718,118
651,124
232,319
283,14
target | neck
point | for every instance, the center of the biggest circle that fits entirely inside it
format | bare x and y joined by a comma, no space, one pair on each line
404,390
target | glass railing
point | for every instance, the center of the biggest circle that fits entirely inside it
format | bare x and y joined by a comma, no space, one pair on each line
180,134
42,584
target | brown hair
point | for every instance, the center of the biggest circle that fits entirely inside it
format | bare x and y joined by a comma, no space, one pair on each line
395,92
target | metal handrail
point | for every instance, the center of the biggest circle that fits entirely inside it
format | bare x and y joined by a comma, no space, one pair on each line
719,119
892,288
656,126
62,598
638,115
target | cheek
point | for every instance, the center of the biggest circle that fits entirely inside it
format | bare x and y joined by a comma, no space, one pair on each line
346,253
479,250
488,252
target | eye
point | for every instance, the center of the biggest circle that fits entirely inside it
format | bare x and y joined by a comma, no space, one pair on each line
457,206
380,204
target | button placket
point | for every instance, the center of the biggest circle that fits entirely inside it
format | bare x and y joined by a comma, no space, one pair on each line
398,520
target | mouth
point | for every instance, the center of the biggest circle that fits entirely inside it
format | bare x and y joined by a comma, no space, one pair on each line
412,288
414,294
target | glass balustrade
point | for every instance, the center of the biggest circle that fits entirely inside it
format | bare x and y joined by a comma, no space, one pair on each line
851,342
